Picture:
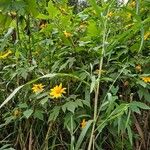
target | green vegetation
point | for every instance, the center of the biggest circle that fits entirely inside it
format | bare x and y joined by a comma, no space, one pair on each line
74,78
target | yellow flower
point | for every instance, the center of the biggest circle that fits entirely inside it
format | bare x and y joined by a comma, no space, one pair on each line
67,34
129,15
110,14
147,35
57,91
138,68
63,10
97,71
132,4
83,123
42,26
129,25
4,55
82,26
16,113
37,88
146,79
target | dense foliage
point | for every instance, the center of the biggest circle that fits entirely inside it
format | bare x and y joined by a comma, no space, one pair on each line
73,77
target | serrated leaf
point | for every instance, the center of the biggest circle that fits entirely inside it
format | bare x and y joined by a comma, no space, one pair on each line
52,10
140,105
134,108
79,102
71,106
87,103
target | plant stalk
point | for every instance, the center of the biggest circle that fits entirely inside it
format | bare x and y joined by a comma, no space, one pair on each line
97,88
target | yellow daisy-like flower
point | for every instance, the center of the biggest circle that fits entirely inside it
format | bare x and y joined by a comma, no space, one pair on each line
37,88
129,25
110,14
138,68
83,123
4,55
82,26
42,26
129,15
132,4
147,35
97,71
63,10
16,113
67,34
146,79
57,91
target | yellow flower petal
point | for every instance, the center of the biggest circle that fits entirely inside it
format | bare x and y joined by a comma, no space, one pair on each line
146,79
57,91
138,68
37,88
147,35
110,14
83,123
4,55
67,34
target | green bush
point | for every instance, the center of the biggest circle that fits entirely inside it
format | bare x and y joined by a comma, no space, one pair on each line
74,80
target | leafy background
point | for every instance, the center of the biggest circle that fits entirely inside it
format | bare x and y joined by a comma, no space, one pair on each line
99,51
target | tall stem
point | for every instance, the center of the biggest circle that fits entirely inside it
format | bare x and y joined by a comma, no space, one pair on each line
97,88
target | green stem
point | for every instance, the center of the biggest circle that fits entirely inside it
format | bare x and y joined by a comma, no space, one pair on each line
97,89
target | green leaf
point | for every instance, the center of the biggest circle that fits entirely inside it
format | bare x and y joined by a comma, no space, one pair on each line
142,83
54,113
71,106
5,21
64,108
79,102
52,10
140,105
31,7
83,135
6,147
9,119
87,103
93,84
44,100
114,90
130,134
41,95
22,105
51,75
38,114
10,96
92,29
134,108
28,113
143,92
42,16
95,6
